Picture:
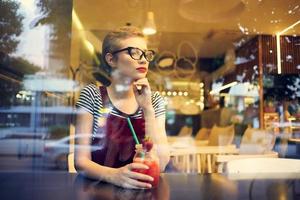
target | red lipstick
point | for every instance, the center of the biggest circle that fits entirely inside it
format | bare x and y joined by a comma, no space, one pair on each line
141,69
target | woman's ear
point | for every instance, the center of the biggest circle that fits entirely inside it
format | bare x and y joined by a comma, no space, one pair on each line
110,60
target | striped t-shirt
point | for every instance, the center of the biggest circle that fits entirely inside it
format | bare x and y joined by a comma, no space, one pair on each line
90,100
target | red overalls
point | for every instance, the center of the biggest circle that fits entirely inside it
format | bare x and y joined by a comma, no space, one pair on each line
117,146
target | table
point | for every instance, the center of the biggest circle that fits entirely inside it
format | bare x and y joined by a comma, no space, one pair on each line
221,160
64,186
200,156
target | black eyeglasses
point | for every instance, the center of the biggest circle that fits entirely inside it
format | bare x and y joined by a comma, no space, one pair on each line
136,53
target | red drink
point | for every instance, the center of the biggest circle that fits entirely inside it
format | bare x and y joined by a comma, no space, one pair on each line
153,171
149,159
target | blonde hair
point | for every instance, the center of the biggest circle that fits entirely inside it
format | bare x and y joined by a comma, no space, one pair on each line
112,40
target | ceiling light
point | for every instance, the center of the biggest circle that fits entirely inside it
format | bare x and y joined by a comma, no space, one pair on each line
215,91
150,27
278,45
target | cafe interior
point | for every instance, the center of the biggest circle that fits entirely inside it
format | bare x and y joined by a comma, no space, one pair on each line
228,72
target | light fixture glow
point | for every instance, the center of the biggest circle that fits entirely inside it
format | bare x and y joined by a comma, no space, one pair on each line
150,27
76,20
278,45
215,91
288,28
278,53
89,46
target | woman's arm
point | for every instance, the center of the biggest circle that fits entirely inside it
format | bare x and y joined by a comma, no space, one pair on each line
123,176
154,126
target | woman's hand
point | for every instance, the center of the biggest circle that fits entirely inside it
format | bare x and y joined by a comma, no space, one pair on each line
127,178
142,93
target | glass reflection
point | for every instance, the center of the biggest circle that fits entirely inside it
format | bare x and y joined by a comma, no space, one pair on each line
35,88
85,189
49,51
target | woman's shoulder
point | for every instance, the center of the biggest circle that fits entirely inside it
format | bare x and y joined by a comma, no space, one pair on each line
91,92
90,87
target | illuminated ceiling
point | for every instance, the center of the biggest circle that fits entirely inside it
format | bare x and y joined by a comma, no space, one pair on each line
211,26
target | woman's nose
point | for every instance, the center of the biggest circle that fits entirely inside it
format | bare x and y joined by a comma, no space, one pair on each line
143,60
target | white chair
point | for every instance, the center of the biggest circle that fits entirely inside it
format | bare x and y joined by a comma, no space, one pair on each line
201,153
205,156
184,159
198,158
202,134
185,131
263,165
221,136
256,143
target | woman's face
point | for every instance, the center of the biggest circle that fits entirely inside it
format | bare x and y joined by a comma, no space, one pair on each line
125,65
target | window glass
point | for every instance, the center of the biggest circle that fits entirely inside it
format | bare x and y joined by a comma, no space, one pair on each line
226,71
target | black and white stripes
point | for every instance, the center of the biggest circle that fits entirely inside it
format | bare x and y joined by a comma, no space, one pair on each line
90,100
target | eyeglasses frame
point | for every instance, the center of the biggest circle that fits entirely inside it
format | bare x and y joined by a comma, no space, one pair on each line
128,49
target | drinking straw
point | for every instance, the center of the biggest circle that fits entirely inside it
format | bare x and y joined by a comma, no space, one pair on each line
132,131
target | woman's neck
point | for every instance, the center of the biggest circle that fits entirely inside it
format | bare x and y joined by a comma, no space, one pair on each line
122,96
120,88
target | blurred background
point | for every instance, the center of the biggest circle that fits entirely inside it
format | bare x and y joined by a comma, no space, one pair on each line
218,64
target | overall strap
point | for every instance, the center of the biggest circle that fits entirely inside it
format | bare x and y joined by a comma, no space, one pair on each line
104,96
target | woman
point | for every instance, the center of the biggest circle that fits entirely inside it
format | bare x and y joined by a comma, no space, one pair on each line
102,113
